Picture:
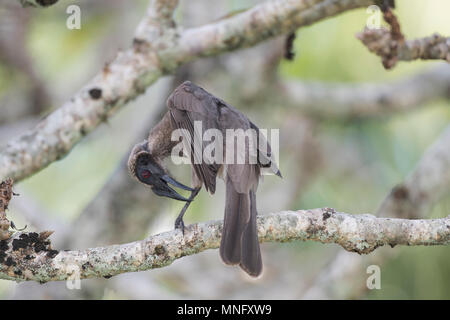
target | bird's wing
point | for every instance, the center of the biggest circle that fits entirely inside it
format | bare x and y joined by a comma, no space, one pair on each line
266,158
189,104
243,175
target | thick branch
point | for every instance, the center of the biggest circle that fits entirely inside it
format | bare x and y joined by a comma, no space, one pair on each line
356,233
262,22
157,50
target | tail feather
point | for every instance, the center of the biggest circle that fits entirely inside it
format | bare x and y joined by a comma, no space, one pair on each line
239,243
235,219
250,252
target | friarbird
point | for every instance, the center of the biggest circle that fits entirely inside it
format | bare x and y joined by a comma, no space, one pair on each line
193,111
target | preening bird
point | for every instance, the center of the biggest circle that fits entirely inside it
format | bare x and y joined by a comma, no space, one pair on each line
188,106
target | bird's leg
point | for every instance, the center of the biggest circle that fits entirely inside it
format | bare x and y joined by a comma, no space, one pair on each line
179,224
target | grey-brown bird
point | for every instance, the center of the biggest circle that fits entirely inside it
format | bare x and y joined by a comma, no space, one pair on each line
188,106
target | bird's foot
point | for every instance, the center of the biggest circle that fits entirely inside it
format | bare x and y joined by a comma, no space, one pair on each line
179,224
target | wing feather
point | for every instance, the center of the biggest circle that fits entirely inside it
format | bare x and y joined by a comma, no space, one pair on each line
188,105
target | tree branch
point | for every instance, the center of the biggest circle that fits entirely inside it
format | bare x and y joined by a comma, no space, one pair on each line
344,101
158,49
6,194
391,46
381,42
260,23
356,233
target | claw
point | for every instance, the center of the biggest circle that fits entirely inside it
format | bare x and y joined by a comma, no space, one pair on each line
179,224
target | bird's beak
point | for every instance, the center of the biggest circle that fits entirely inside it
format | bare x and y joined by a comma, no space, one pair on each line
175,183
167,191
170,193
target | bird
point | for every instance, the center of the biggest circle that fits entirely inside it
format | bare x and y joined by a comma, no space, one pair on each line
188,105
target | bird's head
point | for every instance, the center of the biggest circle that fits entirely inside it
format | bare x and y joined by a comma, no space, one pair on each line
147,170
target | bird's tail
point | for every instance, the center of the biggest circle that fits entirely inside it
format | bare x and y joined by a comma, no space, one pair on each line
239,244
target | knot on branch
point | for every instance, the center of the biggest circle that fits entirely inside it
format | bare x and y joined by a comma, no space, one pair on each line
384,42
380,42
391,46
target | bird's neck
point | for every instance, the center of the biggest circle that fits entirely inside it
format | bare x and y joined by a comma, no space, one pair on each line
159,140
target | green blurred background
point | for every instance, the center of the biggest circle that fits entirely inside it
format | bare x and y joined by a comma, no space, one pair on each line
358,161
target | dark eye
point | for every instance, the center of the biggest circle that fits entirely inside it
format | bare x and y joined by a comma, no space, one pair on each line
146,174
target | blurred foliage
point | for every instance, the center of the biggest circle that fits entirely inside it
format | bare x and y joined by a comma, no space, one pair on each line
327,51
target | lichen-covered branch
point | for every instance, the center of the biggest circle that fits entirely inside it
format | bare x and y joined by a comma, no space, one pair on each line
391,50
391,46
344,101
262,22
6,194
158,48
357,233
37,3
